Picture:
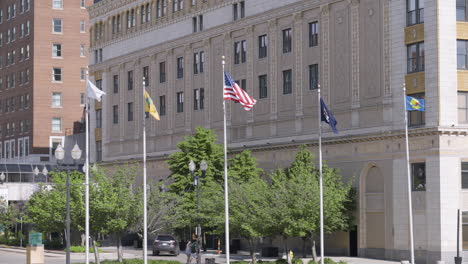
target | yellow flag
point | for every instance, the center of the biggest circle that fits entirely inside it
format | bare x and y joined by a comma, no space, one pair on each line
149,107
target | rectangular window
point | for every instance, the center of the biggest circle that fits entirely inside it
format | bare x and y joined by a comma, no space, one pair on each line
82,74
82,98
57,4
416,118
461,10
180,102
462,107
416,57
414,12
28,28
130,80
82,26
242,9
82,3
462,47
180,67
262,83
234,12
130,112
162,72
115,114
313,76
116,83
313,34
56,50
162,105
418,175
194,24
287,40
262,46
201,99
98,150
237,48
244,51
57,25
56,99
243,84
146,76
196,61
464,175
82,50
99,118
57,74
200,22
202,61
56,125
287,82
196,99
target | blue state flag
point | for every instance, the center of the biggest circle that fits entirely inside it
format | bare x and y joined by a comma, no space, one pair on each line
327,116
415,104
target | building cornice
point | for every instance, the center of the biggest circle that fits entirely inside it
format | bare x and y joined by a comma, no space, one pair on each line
311,140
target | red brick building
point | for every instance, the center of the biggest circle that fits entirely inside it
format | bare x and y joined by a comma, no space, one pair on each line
43,60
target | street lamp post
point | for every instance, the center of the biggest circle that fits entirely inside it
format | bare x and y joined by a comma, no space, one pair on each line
59,156
203,167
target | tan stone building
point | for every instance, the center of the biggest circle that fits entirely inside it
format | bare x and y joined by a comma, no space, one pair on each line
361,52
43,58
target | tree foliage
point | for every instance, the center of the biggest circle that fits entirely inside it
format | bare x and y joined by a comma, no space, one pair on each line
47,206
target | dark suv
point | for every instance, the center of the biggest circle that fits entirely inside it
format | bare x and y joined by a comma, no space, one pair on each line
165,243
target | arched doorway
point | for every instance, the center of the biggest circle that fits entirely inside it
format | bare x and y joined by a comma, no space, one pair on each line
372,212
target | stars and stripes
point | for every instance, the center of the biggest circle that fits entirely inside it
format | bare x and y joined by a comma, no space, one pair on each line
233,92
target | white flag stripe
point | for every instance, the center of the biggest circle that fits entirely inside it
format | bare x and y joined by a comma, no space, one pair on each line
232,91
94,92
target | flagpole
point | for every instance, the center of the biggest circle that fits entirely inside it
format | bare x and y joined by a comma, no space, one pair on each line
226,201
410,206
145,224
87,173
320,179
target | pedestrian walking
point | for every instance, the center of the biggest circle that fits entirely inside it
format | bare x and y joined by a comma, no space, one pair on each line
188,252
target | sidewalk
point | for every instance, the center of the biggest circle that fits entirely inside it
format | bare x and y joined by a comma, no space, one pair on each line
130,253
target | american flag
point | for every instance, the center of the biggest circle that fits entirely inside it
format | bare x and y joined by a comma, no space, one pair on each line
232,91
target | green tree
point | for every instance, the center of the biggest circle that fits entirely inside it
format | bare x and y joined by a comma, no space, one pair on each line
244,167
200,146
9,217
116,204
47,206
295,195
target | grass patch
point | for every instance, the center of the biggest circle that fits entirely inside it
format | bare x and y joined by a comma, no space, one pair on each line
80,249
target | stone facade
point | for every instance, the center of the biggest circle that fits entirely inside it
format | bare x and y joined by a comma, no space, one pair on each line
362,60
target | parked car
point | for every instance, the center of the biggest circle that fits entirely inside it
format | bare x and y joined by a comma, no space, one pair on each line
165,243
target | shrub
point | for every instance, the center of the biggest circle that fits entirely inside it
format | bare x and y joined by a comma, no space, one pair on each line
240,262
81,249
329,261
139,261
54,243
312,262
297,261
281,261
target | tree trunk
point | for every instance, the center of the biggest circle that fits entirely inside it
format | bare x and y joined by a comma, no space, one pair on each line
314,251
287,250
119,249
304,247
96,252
252,250
83,240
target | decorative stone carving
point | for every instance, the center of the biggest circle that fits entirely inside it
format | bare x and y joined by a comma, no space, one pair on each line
386,42
325,10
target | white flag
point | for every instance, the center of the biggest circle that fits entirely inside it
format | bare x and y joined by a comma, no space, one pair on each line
94,92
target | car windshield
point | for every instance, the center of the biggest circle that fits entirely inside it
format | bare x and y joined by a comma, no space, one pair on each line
164,238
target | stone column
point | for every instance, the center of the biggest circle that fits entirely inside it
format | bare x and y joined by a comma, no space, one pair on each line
355,102
250,77
297,79
188,89
228,57
170,100
122,95
153,90
325,69
272,77
207,75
